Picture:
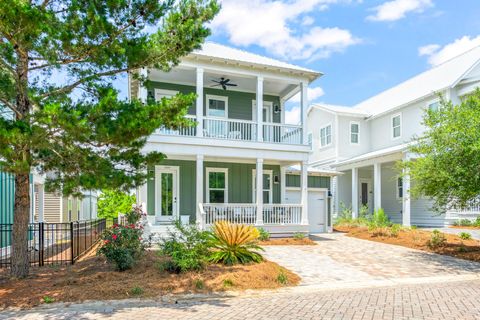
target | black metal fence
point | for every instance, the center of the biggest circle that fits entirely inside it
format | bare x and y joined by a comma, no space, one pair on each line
53,243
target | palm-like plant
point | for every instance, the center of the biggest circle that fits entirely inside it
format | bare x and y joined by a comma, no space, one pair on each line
234,243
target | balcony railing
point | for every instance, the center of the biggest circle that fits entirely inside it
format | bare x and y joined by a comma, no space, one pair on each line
242,130
246,213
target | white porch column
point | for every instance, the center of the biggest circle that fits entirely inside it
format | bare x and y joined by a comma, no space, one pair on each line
199,188
142,194
304,107
41,202
259,191
304,192
283,184
142,90
199,102
259,100
406,212
377,186
355,193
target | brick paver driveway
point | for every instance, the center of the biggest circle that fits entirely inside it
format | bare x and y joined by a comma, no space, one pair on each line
344,278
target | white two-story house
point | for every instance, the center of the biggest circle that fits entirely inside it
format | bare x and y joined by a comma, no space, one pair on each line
241,162
365,142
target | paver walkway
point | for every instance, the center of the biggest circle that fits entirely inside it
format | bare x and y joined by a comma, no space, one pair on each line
341,261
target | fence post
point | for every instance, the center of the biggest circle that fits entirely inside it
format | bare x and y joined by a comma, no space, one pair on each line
41,240
72,259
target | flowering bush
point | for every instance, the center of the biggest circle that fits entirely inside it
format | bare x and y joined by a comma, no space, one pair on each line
122,245
135,215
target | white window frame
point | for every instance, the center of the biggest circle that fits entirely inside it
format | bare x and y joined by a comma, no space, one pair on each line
326,140
392,128
310,140
207,180
357,133
220,98
254,188
164,92
398,187
266,105
429,103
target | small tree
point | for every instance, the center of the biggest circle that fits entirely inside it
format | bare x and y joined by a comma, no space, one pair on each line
57,62
112,202
447,168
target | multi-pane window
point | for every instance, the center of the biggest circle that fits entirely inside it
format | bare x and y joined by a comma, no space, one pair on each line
217,190
399,188
354,132
396,126
217,106
267,186
434,106
326,136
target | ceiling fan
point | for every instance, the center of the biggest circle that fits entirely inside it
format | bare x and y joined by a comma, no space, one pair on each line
224,83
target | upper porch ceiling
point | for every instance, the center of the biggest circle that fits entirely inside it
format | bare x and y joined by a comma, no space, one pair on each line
187,76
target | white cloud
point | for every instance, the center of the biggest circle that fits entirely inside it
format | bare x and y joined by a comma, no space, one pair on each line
398,9
312,93
276,26
292,116
438,54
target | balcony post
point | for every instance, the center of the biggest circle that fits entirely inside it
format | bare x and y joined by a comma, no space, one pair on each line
377,186
41,202
199,189
354,193
406,214
303,108
259,191
199,102
304,192
259,109
142,90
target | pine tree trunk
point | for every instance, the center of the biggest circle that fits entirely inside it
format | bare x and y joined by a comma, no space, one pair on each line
19,257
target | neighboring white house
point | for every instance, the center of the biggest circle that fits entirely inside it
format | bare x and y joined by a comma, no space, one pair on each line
365,141
241,162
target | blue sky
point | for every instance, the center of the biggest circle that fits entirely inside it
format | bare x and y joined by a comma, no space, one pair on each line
362,47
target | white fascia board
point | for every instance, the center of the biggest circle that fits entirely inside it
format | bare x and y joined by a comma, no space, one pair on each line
465,74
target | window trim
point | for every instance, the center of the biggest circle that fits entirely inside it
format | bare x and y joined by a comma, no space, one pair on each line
392,128
207,182
357,133
310,140
215,97
430,102
254,185
320,136
164,92
397,188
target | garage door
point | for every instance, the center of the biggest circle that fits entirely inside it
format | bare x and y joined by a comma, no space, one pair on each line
316,207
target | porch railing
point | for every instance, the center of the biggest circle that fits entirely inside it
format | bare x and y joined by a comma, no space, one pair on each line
282,133
473,208
230,129
246,213
183,131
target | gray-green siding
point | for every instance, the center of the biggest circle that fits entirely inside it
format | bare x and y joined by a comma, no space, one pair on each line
239,103
240,184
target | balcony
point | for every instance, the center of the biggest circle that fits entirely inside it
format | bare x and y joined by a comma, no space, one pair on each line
240,130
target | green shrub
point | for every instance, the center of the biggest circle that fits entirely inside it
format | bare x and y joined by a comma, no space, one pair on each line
364,212
437,239
186,247
299,235
465,222
282,278
227,283
264,234
199,284
462,249
476,223
134,215
234,243
136,291
465,235
413,227
395,230
48,299
122,245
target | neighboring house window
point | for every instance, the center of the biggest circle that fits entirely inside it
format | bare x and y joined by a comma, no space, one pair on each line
217,106
399,188
354,132
326,136
396,126
434,106
310,140
217,185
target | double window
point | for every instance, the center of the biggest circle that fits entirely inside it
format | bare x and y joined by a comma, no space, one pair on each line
396,126
354,133
326,136
217,106
217,185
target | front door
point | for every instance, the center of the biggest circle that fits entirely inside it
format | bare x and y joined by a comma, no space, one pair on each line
166,193
365,194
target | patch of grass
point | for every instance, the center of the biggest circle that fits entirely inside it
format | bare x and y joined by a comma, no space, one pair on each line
199,284
136,291
465,236
48,299
299,235
282,278
227,283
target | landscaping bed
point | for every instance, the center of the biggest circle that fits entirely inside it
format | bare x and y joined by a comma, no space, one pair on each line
288,242
452,245
93,278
